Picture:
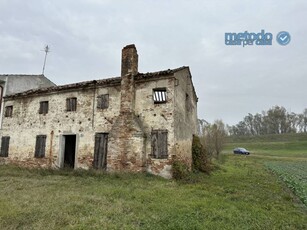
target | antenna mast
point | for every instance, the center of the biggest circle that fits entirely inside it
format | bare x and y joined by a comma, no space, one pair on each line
46,50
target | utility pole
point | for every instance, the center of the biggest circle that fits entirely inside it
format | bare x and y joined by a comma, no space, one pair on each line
47,50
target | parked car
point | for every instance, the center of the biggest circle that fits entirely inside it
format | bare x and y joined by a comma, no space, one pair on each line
241,151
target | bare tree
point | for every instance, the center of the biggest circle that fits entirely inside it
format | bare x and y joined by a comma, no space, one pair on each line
214,137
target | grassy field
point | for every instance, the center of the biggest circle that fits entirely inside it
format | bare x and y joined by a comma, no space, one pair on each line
242,194
291,145
245,192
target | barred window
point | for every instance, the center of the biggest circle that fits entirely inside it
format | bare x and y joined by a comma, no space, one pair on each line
159,96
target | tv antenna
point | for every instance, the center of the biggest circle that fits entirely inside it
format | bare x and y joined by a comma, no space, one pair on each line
46,50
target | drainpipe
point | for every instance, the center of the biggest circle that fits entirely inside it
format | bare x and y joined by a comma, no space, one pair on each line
3,93
50,149
94,99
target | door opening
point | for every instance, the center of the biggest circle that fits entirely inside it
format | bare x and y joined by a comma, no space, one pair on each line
70,151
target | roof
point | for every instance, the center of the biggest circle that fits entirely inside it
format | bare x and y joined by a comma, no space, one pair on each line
102,82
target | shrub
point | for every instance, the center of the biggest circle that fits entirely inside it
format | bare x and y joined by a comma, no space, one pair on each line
180,169
201,158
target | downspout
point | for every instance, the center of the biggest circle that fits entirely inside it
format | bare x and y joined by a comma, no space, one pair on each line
50,149
93,110
3,93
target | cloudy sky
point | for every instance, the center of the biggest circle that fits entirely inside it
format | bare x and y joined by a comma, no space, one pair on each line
86,38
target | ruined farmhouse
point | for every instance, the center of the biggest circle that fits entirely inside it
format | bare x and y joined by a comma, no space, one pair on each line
136,122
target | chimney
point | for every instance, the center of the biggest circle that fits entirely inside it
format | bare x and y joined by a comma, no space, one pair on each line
129,60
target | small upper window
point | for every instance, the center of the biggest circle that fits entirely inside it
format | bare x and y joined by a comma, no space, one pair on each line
8,111
159,96
71,104
103,101
43,107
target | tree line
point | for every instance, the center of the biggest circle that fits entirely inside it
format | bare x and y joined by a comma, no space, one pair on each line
276,120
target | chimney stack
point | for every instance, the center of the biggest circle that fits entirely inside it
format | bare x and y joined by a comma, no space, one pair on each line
129,60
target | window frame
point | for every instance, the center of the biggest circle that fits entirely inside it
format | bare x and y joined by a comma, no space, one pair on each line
8,111
71,104
159,95
40,146
103,101
5,146
43,107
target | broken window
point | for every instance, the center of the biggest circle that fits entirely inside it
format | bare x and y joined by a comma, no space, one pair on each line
5,142
159,144
8,111
103,101
40,146
159,96
71,104
43,107
100,152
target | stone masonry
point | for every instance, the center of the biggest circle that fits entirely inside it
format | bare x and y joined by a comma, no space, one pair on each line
136,122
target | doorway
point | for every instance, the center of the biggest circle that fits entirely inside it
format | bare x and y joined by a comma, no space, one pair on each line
69,151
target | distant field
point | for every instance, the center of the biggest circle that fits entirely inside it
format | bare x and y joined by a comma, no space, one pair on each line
292,145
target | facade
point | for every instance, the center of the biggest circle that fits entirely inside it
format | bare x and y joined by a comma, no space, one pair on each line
136,122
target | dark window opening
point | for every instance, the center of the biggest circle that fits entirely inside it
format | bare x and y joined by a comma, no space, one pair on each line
159,96
71,104
69,151
8,111
5,143
40,146
43,107
103,101
188,104
159,144
100,152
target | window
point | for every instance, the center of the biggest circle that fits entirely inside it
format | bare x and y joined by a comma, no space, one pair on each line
5,142
188,103
159,144
71,104
8,111
43,107
159,96
40,146
103,101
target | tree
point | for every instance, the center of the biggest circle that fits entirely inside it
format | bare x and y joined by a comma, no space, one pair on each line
214,137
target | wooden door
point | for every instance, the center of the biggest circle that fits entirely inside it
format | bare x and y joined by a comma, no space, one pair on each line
100,152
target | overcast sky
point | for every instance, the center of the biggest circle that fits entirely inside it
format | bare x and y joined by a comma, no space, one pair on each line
86,38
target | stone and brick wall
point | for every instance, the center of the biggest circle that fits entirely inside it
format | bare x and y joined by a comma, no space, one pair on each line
129,120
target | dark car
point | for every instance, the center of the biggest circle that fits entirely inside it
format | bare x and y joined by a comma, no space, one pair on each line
241,151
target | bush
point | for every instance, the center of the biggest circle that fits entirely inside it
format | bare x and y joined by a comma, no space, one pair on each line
180,169
201,158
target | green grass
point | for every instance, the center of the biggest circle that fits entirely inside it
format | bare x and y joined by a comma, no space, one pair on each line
242,194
